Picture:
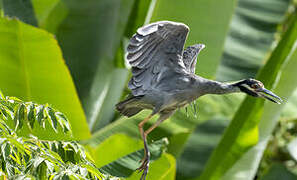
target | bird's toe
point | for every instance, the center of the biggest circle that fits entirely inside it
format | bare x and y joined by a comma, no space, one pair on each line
144,167
143,176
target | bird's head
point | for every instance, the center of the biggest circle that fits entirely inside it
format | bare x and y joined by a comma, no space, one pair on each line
256,88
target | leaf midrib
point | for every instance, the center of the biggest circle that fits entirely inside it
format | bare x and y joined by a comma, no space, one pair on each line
22,60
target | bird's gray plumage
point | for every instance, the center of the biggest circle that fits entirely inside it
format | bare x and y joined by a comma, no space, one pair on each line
190,56
162,71
155,51
164,79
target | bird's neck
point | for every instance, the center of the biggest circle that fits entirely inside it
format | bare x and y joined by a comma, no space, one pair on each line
207,86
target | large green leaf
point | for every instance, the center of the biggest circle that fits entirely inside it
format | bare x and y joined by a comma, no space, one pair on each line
176,129
141,14
115,76
105,92
129,126
43,8
95,65
285,88
250,37
242,133
49,13
125,159
33,70
208,21
175,133
279,171
255,38
199,147
21,9
291,106
163,169
101,26
125,145
214,112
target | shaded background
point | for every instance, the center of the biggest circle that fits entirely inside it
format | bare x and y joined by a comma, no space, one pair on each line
89,39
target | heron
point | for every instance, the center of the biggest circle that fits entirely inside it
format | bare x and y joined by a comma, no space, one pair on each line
164,80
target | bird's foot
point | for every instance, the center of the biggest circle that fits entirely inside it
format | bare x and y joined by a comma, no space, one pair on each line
144,166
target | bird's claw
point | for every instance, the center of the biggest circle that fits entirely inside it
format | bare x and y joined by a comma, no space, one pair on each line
144,167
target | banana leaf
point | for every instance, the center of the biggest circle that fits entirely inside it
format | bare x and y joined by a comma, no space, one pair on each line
242,134
33,69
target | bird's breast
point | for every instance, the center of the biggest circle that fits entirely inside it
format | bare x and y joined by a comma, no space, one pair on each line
178,100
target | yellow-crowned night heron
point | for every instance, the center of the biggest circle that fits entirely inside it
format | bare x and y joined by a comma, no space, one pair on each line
164,77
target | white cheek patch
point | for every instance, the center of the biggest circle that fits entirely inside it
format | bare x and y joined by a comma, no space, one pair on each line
248,87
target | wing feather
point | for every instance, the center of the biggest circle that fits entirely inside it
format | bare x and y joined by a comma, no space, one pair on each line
190,56
153,51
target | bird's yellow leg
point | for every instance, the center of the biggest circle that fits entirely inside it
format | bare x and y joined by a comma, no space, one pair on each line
140,125
145,160
162,117
143,136
153,127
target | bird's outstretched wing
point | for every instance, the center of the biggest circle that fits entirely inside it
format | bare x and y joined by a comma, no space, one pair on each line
154,52
190,56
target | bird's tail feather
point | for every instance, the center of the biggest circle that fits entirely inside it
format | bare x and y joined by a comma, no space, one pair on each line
125,107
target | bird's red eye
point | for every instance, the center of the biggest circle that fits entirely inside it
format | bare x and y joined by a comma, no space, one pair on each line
256,86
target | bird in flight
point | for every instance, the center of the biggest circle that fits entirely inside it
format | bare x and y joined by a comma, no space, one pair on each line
164,80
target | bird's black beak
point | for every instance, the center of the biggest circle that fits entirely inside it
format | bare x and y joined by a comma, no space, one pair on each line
262,92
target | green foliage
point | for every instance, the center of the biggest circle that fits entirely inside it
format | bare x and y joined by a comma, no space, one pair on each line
92,35
252,33
242,133
280,148
278,171
98,81
30,157
208,22
24,157
206,136
118,134
21,9
245,47
124,161
49,13
163,169
285,87
33,70
33,158
27,113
